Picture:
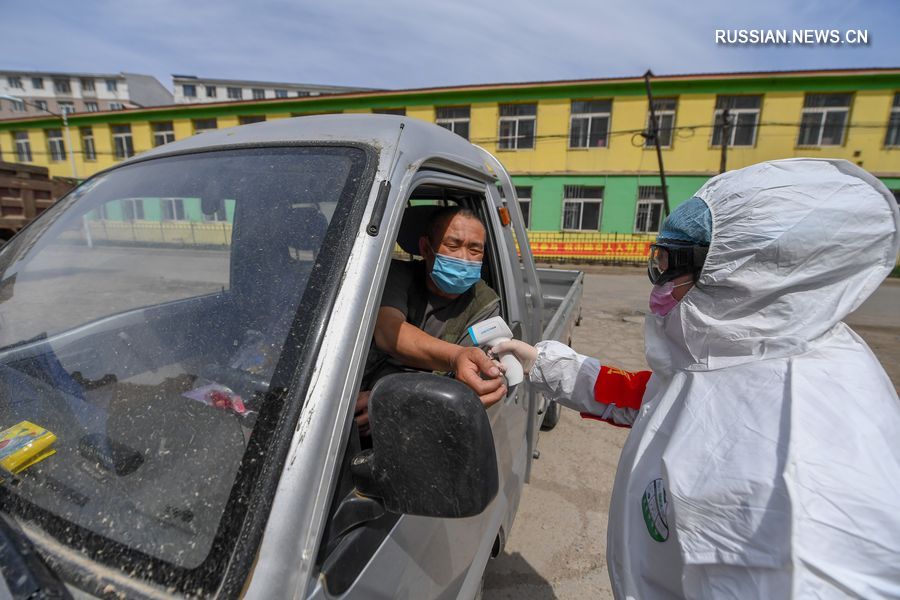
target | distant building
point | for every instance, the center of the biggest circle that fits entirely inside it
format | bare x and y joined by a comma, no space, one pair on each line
77,92
190,89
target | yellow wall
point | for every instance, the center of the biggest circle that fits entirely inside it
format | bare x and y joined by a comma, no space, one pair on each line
690,153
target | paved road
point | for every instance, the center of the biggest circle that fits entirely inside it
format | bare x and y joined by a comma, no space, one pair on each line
557,548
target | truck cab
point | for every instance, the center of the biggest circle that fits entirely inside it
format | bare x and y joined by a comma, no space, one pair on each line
192,327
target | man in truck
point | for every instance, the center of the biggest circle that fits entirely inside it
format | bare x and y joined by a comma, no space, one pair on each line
429,304
763,458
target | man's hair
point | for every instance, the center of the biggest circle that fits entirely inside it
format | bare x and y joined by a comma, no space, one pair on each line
437,224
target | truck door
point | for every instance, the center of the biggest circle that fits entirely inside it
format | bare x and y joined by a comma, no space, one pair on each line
415,557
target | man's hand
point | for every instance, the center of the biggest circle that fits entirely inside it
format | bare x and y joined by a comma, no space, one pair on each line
469,364
361,412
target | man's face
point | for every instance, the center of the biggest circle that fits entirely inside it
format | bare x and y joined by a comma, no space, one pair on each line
463,237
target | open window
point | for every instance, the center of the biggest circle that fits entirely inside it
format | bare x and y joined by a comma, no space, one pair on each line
356,528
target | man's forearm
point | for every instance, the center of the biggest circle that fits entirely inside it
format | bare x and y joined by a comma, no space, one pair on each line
415,348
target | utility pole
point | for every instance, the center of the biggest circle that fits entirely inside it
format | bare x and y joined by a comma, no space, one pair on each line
653,134
726,136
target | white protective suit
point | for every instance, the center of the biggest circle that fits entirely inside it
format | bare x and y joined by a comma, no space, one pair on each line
764,460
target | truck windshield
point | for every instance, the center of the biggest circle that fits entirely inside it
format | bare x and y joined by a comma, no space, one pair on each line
142,322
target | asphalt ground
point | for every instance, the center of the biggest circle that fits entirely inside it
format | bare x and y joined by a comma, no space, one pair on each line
557,547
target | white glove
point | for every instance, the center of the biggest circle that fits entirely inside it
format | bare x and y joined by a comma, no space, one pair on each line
525,353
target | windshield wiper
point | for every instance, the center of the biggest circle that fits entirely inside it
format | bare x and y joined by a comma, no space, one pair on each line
27,575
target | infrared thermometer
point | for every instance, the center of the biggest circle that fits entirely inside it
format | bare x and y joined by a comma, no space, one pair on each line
491,332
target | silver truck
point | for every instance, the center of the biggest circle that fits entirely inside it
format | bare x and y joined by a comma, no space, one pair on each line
182,340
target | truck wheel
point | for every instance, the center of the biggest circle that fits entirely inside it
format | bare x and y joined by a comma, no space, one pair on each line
551,416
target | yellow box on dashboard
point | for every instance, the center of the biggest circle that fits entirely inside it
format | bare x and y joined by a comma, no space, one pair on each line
24,444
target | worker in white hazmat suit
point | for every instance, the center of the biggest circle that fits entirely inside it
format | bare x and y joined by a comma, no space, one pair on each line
764,459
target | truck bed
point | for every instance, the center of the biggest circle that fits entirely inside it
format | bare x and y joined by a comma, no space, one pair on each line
561,290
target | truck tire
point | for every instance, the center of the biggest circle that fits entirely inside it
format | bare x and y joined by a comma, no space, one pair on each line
551,416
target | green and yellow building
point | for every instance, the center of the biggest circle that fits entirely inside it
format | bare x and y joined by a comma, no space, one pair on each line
576,149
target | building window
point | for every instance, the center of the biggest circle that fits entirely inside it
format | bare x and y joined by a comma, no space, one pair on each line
201,125
122,144
172,209
302,93
163,133
133,209
91,106
824,119
743,118
23,146
87,85
893,131
210,91
41,105
523,193
87,144
112,85
649,211
15,82
247,120
259,94
66,107
665,119
37,83
61,86
589,123
582,207
55,144
517,125
18,106
235,93
281,94
116,106
454,118
189,90
389,111
220,214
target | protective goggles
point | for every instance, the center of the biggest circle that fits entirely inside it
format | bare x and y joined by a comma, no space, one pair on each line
669,260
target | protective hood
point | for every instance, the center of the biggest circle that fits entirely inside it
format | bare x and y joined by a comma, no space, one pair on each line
797,245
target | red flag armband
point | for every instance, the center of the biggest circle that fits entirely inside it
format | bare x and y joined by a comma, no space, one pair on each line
618,389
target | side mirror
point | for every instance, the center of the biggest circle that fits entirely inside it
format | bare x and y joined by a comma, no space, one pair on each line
432,448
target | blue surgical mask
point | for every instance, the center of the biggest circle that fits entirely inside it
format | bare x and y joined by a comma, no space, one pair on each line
454,275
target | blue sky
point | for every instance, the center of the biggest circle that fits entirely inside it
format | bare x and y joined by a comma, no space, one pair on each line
420,43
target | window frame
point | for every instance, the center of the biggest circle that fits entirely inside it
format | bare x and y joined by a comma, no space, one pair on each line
198,130
281,93
189,90
234,93
134,206
893,124
824,111
122,141
112,85
88,148
56,145
175,206
62,85
590,116
22,143
258,94
92,107
211,91
37,83
646,196
581,201
87,85
661,113
517,121
736,113
15,82
161,135
451,123
526,211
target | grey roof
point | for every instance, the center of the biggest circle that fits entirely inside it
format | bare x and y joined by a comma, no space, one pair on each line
213,80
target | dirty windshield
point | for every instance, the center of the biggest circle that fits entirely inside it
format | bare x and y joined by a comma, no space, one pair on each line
141,323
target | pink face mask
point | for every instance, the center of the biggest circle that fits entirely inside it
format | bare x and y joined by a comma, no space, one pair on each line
661,299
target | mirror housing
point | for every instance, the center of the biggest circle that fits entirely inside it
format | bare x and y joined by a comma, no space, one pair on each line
432,450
